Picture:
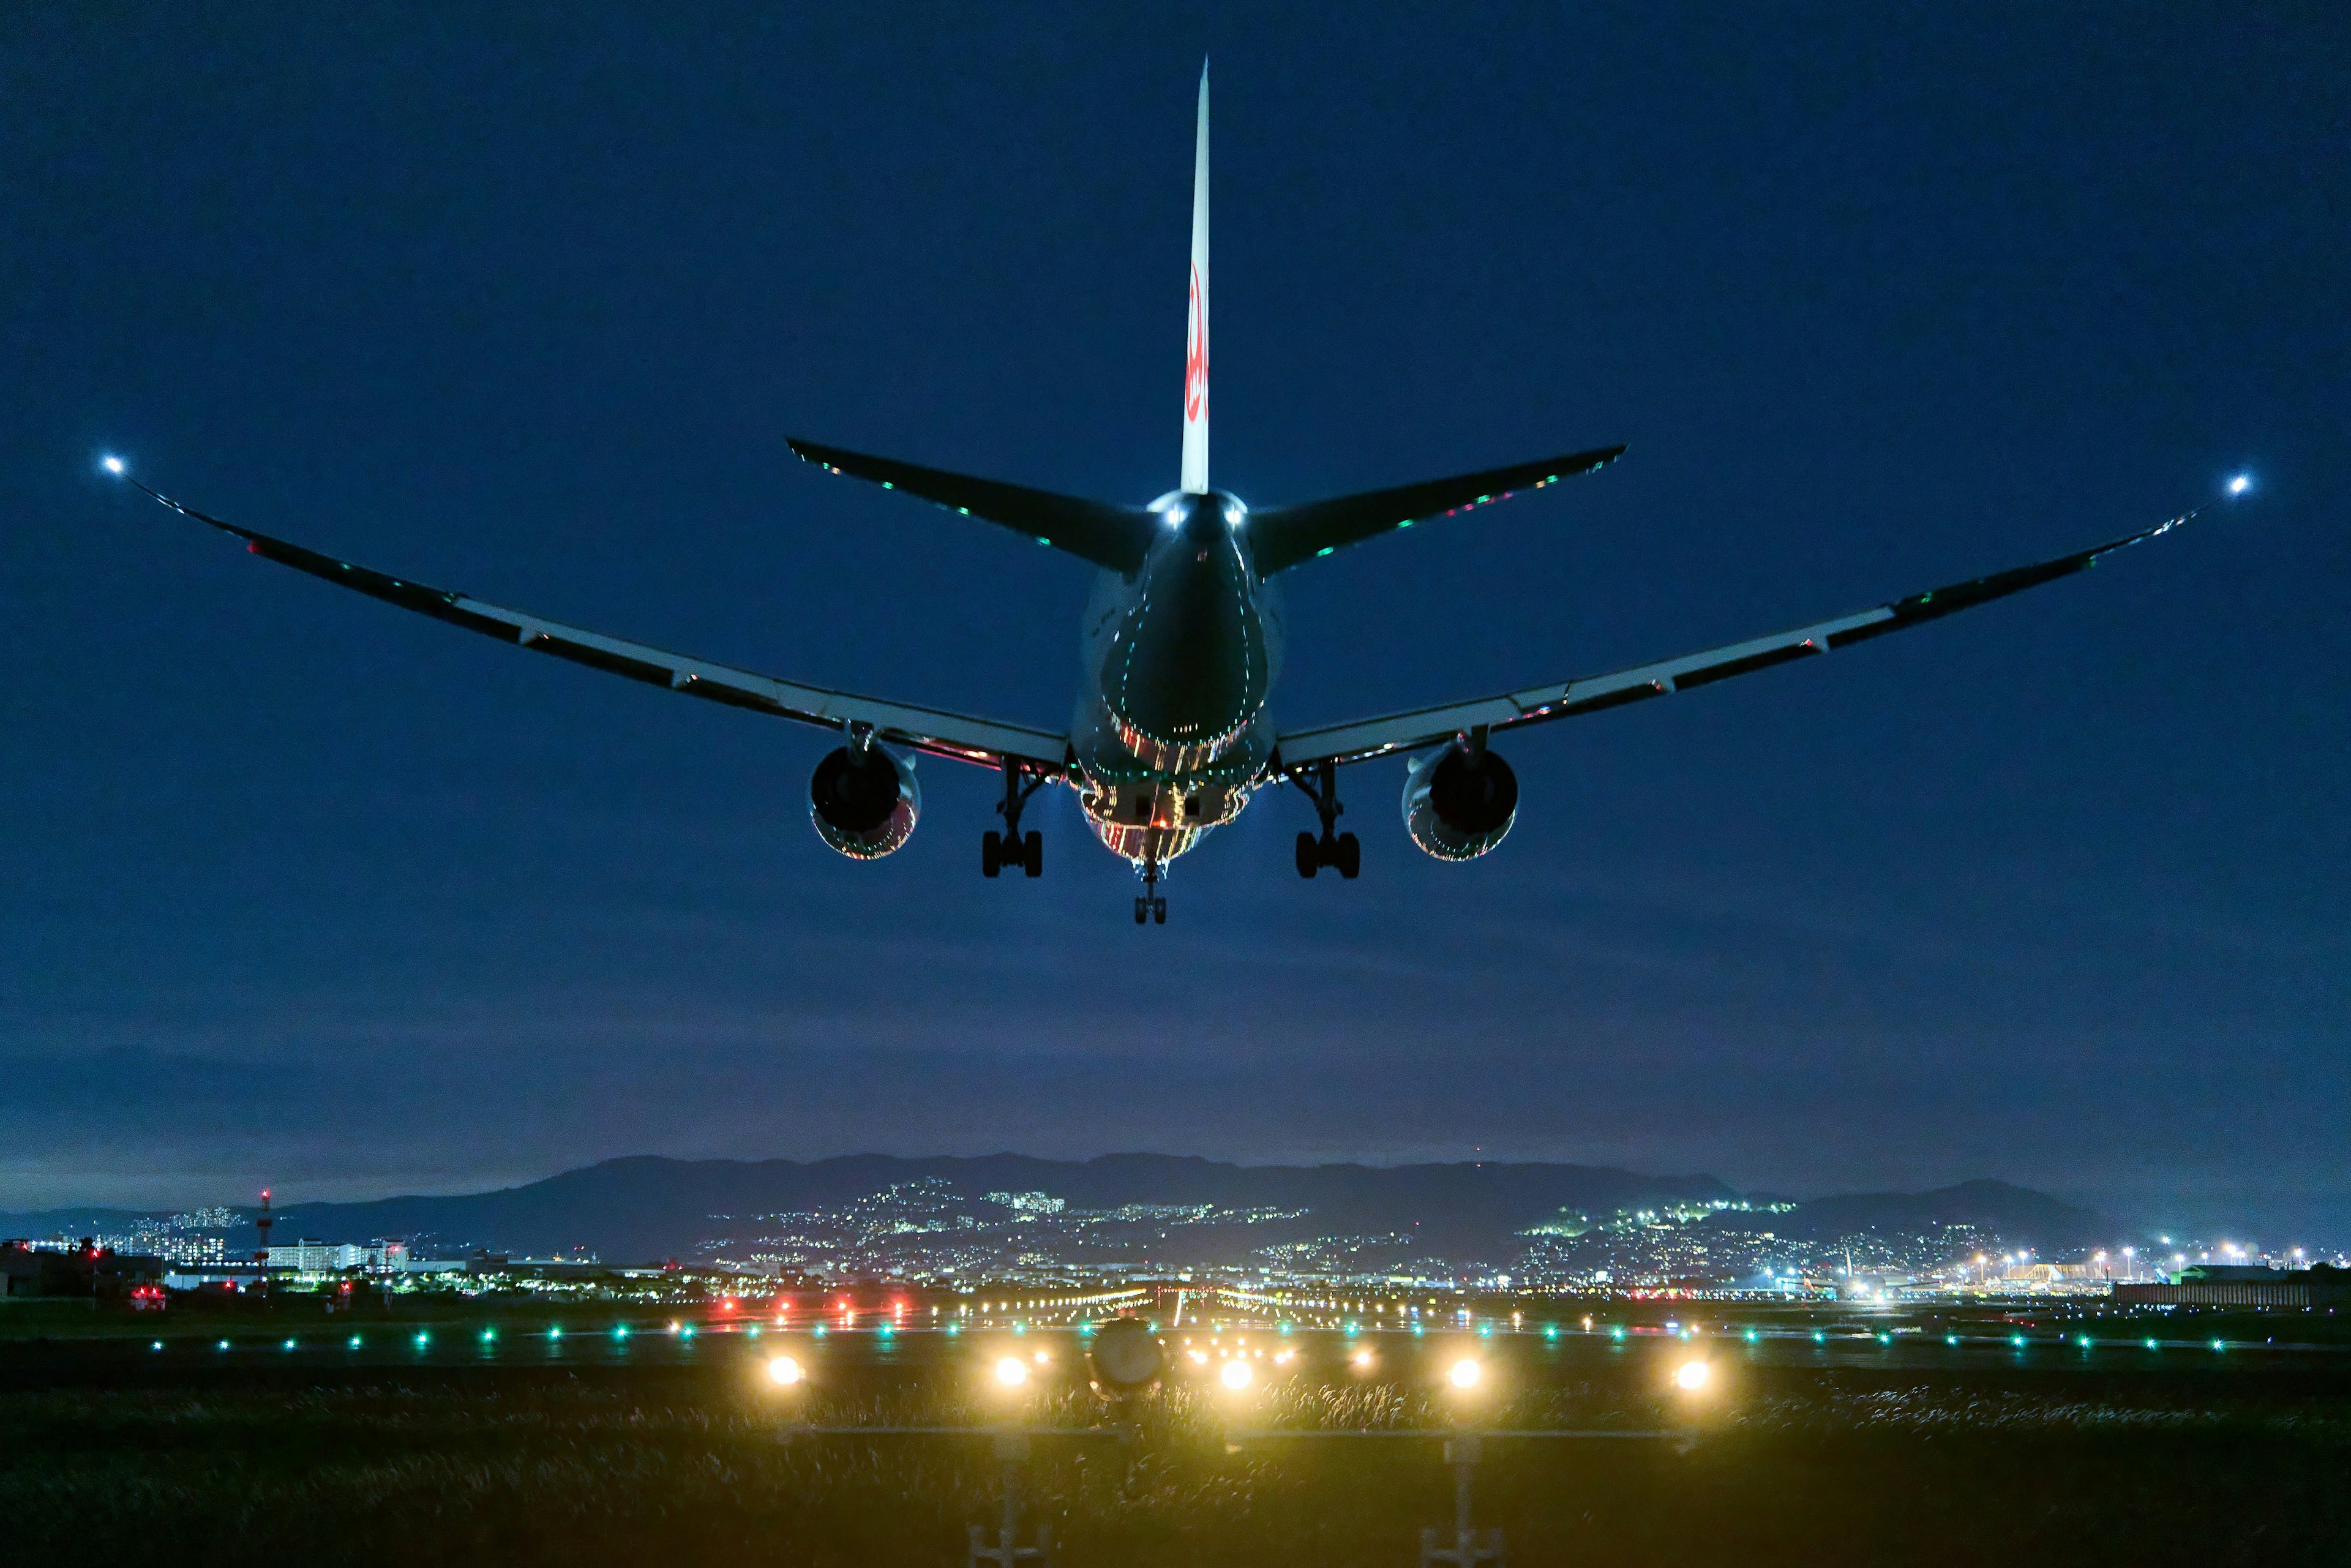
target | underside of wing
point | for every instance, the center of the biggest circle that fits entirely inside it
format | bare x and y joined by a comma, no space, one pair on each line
1281,537
1109,536
1364,738
941,734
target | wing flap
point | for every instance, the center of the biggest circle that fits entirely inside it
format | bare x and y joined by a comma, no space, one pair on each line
932,731
1364,739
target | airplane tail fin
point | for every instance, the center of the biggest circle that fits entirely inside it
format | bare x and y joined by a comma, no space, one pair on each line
1111,536
1196,334
1281,537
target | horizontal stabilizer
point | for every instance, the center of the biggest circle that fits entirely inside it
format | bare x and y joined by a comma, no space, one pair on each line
1281,537
1106,535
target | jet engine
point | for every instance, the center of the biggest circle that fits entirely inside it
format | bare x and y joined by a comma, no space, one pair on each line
1456,806
863,801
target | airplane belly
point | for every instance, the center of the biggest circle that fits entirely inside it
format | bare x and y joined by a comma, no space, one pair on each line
1152,814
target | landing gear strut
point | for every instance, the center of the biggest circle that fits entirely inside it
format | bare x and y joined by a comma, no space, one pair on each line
1341,851
1010,847
1151,903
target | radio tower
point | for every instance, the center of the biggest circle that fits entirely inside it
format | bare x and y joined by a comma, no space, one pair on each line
261,1222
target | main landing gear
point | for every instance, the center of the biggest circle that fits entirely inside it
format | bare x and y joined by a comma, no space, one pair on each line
1341,851
1151,903
1011,847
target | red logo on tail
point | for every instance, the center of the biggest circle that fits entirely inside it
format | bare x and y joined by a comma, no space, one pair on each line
1196,356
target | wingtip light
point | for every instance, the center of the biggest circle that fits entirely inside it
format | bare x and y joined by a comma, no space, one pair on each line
112,466
2241,484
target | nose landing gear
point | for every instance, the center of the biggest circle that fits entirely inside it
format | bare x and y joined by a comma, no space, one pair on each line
1151,903
1342,853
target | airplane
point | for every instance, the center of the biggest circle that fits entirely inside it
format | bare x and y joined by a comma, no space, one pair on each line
1183,639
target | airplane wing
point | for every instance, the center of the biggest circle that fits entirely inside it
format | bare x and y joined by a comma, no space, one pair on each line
1364,738
968,739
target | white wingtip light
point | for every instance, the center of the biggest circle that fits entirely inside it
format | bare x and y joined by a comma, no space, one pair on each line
2241,484
112,466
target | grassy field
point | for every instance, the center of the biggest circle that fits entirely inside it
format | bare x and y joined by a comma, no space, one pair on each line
678,1456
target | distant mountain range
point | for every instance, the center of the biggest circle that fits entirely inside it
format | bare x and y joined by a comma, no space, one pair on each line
644,1207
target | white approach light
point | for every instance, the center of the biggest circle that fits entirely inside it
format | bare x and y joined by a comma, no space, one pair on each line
784,1371
1464,1372
1234,1375
1011,1372
1692,1375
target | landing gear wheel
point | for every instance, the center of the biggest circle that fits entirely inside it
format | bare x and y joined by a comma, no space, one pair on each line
1141,909
991,853
1159,910
1309,854
1350,856
1032,858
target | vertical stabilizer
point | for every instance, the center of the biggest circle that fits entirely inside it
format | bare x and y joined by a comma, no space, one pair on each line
1196,338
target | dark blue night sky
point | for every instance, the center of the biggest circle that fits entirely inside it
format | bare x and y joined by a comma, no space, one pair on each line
524,301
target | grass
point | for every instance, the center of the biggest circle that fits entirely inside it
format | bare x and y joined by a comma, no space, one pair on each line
683,1463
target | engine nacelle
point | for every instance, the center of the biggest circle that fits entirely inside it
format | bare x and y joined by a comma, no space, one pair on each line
864,803
1457,809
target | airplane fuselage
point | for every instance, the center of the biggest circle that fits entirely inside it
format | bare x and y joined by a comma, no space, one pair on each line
1171,732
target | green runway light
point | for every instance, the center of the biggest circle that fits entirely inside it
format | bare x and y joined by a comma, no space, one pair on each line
1819,1338
819,1330
289,1344
954,1328
1951,1339
755,1331
555,1331
2017,1340
687,1332
1551,1331
2218,1345
222,1346
621,1331
157,1346
423,1340
354,1342
2150,1344
1750,1337
488,1336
